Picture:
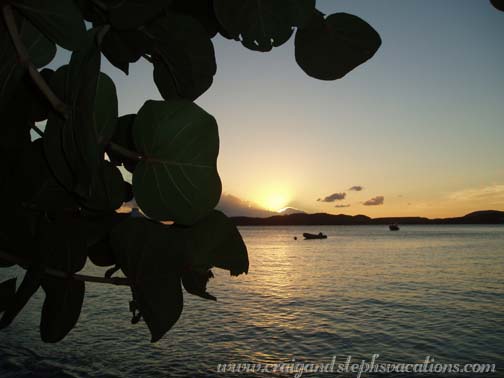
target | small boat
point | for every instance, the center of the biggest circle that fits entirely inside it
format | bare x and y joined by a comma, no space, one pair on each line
394,227
320,235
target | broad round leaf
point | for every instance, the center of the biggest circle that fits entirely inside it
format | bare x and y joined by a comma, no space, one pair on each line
61,309
105,110
184,63
122,47
40,49
329,48
215,242
143,252
130,14
108,190
498,4
28,287
61,21
177,179
264,24
7,293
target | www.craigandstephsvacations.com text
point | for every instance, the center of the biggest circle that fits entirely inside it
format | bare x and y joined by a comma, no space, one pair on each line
357,367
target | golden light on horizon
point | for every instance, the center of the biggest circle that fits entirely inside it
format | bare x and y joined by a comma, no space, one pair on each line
275,200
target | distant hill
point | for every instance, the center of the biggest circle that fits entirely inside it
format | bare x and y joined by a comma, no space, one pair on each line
321,219
290,210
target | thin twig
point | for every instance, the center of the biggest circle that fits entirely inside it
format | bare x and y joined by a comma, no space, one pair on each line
125,152
24,60
119,281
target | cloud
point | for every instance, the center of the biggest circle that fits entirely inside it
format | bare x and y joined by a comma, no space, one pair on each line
492,193
234,206
333,197
376,201
356,188
340,206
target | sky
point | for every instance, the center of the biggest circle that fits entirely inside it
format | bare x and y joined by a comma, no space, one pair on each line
419,127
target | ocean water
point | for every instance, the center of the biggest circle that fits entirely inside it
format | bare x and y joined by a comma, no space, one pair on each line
423,291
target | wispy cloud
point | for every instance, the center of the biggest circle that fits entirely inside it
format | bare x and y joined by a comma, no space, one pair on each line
491,193
375,201
340,206
333,197
356,188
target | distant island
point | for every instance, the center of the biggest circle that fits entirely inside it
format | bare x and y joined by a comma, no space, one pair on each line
323,219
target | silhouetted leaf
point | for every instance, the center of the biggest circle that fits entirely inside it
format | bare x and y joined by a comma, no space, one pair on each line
105,110
123,136
122,47
108,190
71,144
264,24
60,21
202,11
28,287
63,245
61,309
42,191
101,253
177,179
7,293
215,242
499,4
184,58
142,250
329,48
40,50
195,282
130,14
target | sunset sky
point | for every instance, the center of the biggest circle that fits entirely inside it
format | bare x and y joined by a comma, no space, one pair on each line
420,124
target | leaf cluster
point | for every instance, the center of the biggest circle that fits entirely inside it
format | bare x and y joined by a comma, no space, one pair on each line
62,191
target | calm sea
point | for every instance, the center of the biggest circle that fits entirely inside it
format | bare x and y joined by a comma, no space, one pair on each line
423,291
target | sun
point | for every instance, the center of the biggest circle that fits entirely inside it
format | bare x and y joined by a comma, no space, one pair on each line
275,201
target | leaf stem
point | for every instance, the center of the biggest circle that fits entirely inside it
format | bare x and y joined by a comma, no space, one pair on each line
125,152
119,281
24,60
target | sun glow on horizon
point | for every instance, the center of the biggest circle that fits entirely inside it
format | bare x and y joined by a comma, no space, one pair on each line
275,201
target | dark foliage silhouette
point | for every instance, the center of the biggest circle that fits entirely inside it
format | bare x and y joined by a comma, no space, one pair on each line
60,193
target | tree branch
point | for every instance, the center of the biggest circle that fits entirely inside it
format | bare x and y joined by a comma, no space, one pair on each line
119,281
24,60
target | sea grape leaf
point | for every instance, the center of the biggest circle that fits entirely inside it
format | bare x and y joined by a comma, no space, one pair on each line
28,287
264,24
40,50
61,309
184,57
195,282
7,293
498,4
122,47
105,110
71,143
214,242
329,48
60,21
177,179
63,245
108,190
142,249
101,253
123,136
201,10
130,14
